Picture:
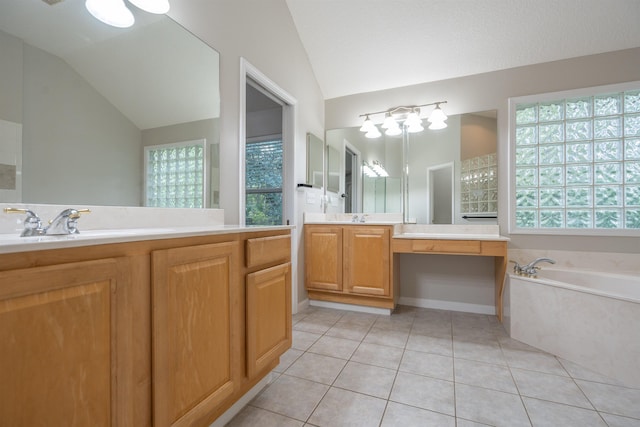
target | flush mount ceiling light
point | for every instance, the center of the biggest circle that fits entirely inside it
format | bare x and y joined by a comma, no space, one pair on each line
116,13
159,7
111,12
404,117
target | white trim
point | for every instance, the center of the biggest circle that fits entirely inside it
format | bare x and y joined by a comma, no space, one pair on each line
511,205
448,305
301,306
241,403
430,170
247,70
350,307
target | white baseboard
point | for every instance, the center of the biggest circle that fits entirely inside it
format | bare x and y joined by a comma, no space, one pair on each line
350,307
448,305
241,403
302,305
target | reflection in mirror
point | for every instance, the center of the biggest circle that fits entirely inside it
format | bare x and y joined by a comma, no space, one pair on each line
315,161
333,169
80,101
467,147
373,192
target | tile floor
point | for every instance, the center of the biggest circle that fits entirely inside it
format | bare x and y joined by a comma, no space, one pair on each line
421,367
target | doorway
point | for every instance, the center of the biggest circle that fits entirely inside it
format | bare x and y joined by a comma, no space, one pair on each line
440,197
351,195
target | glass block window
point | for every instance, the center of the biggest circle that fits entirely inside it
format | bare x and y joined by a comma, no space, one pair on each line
576,160
263,181
479,185
175,175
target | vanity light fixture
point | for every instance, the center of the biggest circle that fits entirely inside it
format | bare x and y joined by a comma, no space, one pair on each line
409,117
374,170
117,14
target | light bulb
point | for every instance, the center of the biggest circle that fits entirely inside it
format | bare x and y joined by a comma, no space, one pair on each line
111,12
413,119
435,125
389,122
159,7
367,125
437,115
373,133
393,131
414,128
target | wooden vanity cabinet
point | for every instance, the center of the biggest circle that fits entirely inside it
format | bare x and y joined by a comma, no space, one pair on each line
66,345
268,301
168,332
349,264
196,326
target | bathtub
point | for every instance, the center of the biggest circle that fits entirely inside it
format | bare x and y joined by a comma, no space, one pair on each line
589,318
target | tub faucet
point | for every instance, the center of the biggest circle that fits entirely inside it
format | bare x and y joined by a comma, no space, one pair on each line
65,223
530,269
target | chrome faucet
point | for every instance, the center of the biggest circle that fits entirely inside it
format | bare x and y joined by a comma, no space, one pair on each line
530,269
65,223
32,223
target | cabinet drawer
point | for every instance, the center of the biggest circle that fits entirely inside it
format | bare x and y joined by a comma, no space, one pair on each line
447,246
267,250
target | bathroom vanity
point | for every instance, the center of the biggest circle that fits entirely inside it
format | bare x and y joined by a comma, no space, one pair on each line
358,263
163,328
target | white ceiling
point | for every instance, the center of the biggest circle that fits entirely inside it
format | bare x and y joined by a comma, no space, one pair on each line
357,46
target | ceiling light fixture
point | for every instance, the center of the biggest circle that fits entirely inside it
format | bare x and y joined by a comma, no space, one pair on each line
374,170
111,12
116,13
159,7
409,117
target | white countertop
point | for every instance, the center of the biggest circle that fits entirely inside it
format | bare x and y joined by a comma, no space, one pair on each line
12,243
450,236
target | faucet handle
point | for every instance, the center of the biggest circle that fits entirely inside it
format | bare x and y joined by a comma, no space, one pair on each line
32,223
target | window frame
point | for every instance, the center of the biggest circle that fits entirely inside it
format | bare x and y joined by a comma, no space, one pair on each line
269,190
205,165
511,156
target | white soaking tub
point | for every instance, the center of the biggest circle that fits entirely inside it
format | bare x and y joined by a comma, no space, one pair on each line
590,318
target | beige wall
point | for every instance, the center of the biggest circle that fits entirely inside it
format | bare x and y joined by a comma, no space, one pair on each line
491,91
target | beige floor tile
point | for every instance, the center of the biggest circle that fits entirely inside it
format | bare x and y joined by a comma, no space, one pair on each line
429,344
480,350
346,408
428,364
491,407
287,359
424,392
378,355
280,397
349,331
398,414
534,361
303,340
549,387
387,337
251,416
618,421
612,399
549,414
334,347
366,379
485,375
316,367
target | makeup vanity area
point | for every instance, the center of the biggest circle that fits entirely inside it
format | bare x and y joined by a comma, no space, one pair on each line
359,263
446,205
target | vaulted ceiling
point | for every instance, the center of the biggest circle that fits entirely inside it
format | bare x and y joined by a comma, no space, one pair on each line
359,46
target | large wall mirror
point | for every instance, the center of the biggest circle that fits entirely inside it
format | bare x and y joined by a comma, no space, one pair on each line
452,173
80,100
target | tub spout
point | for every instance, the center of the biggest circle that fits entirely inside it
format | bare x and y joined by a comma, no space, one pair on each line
531,269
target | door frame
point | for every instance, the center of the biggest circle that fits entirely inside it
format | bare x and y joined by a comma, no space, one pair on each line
289,105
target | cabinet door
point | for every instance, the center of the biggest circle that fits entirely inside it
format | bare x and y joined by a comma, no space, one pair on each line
268,316
195,331
366,260
323,257
65,334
